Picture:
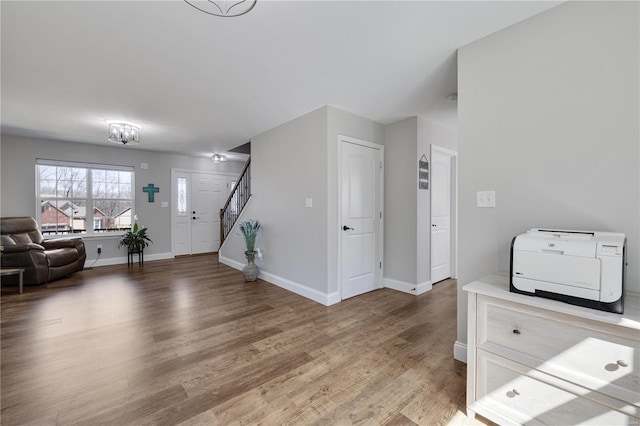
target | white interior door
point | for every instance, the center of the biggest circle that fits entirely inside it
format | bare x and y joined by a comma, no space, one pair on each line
360,225
198,198
440,216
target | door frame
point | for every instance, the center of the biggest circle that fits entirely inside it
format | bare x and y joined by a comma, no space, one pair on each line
172,206
453,211
339,231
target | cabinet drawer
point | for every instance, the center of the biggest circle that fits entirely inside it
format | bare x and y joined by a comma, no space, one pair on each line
579,350
529,397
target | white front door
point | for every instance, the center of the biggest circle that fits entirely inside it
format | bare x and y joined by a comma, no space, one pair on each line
208,192
360,227
198,198
440,216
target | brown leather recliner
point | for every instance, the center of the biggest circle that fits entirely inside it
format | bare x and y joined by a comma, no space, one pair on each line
42,260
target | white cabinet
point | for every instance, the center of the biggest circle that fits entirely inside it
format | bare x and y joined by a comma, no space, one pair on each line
539,361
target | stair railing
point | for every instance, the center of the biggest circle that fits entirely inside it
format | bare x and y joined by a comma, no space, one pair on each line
238,198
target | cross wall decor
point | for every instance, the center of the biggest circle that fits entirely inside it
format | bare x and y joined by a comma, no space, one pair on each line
150,190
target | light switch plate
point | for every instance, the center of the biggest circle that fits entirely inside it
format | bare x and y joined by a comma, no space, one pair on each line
144,166
486,199
308,202
165,204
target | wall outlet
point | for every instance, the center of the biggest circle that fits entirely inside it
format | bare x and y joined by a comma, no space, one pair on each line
259,253
486,199
99,248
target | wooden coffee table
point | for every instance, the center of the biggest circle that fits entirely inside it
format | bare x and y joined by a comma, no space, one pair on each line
13,271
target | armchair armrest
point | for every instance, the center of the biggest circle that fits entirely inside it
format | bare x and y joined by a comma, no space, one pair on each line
66,243
74,243
22,248
31,257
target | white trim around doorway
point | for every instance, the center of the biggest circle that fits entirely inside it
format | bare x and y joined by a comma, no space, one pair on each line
347,139
454,207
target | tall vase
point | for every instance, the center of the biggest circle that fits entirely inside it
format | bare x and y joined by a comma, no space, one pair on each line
251,270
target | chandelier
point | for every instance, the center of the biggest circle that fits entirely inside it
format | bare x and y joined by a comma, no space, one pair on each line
225,9
124,133
218,158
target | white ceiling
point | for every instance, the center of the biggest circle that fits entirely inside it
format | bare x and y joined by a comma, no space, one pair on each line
198,83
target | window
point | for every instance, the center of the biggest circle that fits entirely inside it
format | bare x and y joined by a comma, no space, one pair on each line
182,196
78,198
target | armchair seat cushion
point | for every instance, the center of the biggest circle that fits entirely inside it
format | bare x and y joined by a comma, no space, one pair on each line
62,256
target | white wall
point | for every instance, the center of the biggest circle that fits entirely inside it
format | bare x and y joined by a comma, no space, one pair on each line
429,133
292,162
400,202
18,183
288,164
342,123
408,208
549,119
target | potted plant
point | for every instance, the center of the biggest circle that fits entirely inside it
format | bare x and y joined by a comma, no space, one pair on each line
249,231
135,239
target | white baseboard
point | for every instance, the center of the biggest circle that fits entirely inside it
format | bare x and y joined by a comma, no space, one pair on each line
407,287
424,287
400,286
297,288
460,351
89,263
302,290
230,262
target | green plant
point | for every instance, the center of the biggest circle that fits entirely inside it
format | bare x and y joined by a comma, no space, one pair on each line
135,239
250,230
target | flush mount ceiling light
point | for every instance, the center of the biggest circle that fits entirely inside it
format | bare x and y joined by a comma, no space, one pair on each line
225,9
123,133
218,158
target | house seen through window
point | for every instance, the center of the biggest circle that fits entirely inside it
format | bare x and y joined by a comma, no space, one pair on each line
78,198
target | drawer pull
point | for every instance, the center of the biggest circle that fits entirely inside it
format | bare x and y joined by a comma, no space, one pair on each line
516,331
512,393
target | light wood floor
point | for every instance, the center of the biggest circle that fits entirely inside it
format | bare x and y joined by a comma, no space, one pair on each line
187,341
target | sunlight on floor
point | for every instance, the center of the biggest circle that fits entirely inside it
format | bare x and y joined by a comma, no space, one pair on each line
460,419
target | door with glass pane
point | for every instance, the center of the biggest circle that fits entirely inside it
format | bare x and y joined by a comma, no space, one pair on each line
181,214
197,199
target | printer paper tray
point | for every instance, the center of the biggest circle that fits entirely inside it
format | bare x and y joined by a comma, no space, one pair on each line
575,271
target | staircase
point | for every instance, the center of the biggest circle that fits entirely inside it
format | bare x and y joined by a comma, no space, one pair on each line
238,198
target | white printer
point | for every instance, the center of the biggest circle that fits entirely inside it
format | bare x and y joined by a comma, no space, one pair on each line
577,267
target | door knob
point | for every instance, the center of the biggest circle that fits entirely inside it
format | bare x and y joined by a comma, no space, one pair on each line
346,228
